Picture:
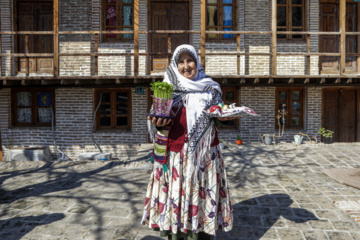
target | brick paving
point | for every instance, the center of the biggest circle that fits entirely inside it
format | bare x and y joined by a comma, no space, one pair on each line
277,191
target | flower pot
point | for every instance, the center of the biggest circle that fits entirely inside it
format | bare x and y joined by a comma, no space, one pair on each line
268,139
238,141
221,145
162,106
298,139
327,140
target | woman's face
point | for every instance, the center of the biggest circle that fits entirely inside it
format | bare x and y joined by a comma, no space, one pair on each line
187,66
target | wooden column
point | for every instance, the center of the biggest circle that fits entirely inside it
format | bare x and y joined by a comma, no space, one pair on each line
358,40
0,63
342,35
1,152
136,38
273,36
96,59
203,33
56,38
238,51
26,52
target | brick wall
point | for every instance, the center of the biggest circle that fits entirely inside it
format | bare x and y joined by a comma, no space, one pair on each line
74,112
6,8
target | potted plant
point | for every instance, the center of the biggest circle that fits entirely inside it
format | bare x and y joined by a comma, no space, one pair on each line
238,140
326,134
163,93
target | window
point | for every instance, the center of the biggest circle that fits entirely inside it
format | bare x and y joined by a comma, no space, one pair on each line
230,95
115,109
292,101
221,15
117,15
32,107
291,17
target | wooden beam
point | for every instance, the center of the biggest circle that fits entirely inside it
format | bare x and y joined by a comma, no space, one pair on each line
342,36
238,51
203,31
358,42
136,37
26,52
0,72
273,36
96,60
56,37
308,57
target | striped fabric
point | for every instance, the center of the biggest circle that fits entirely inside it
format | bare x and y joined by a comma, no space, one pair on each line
159,152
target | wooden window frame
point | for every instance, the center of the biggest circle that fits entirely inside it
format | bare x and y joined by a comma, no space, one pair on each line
220,27
34,107
113,113
289,37
289,101
236,101
118,25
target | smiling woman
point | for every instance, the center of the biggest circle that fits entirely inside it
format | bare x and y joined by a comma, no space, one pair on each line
187,66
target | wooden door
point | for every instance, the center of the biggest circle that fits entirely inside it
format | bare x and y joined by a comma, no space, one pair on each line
166,15
329,22
35,16
340,113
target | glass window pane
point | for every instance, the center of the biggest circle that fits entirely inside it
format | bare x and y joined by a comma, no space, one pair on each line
228,16
282,106
227,1
229,96
24,115
211,1
281,16
127,15
297,16
121,121
281,1
44,99
281,35
282,95
105,97
23,99
44,115
296,108
127,35
121,109
228,35
296,95
105,121
295,121
297,36
283,121
212,16
127,1
110,35
105,109
297,1
121,97
111,15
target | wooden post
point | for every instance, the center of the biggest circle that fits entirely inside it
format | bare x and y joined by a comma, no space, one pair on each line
273,36
1,152
56,38
342,36
96,62
169,48
203,31
136,38
26,52
308,57
358,43
0,70
238,50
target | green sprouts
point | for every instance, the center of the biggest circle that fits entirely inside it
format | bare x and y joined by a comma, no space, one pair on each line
162,90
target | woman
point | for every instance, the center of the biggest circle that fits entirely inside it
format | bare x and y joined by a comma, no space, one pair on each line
188,195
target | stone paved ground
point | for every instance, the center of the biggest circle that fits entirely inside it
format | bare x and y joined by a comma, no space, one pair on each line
278,192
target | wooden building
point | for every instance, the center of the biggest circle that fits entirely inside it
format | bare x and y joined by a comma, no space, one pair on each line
58,58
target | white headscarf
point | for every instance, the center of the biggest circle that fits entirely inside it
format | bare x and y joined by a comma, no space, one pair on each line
197,95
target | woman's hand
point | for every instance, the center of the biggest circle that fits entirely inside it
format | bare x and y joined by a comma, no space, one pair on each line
159,122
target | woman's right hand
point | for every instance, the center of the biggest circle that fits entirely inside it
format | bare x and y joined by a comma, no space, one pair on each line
160,122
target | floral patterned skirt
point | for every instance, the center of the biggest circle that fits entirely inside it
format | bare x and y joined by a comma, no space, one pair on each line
199,206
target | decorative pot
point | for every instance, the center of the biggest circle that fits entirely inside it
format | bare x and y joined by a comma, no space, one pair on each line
221,145
238,141
327,140
268,139
162,106
298,139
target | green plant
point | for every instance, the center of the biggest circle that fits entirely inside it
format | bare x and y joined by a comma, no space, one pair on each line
238,137
162,90
221,140
325,132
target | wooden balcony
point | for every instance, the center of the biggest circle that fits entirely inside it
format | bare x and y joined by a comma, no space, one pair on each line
54,78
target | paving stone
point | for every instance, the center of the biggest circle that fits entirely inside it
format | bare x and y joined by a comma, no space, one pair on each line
338,235
292,234
314,235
